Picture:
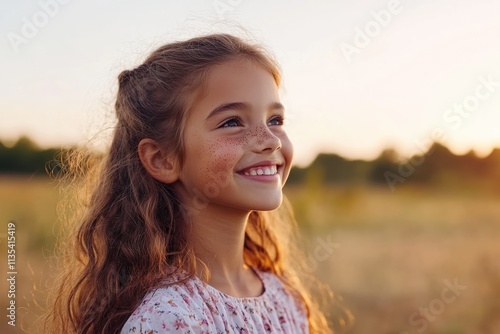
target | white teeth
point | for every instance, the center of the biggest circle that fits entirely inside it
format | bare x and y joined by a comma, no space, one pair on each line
271,170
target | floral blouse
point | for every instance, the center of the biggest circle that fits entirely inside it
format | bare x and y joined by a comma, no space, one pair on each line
196,307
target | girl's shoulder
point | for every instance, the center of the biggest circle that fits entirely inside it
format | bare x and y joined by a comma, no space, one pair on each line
192,306
175,306
172,307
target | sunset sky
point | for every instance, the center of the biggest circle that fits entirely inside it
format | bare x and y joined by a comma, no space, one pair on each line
360,76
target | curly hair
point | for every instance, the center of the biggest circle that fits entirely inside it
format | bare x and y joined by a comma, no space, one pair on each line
129,228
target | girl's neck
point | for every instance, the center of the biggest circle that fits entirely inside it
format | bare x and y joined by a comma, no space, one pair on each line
218,236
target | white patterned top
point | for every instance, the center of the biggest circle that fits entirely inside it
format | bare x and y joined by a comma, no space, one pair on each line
196,307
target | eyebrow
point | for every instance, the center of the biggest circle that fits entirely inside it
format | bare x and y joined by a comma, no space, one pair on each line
240,106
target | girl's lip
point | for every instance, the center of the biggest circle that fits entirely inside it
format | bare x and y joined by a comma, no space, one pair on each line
266,163
262,178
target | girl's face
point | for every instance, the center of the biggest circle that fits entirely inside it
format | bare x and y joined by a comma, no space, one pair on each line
237,153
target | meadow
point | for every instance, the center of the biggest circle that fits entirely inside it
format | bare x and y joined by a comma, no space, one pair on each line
413,260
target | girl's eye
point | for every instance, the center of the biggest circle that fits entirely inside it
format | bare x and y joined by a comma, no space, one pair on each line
230,123
277,120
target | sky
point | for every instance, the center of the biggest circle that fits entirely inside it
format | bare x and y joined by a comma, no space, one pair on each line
359,76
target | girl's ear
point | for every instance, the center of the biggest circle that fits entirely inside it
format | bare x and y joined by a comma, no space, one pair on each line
160,165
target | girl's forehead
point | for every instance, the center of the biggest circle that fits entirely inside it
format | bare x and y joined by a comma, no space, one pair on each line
238,80
240,77
236,70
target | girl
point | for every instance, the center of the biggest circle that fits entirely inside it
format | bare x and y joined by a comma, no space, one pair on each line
184,230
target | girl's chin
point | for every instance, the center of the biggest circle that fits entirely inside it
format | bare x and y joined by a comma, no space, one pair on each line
268,205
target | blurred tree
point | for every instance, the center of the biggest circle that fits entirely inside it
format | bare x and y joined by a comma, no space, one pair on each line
386,162
25,157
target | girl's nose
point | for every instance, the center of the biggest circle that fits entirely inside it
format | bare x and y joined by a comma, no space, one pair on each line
266,140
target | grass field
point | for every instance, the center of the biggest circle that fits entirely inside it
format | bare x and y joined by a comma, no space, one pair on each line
408,261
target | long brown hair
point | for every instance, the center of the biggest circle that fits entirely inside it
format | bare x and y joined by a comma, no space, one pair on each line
129,230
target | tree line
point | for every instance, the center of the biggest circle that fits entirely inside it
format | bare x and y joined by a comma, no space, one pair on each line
437,166
25,157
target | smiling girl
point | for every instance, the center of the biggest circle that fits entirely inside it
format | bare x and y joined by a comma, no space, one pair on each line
186,229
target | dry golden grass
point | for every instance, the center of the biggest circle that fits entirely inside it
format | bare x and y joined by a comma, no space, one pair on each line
31,204
393,251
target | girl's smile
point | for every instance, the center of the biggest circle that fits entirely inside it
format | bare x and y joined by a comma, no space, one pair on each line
264,171
237,153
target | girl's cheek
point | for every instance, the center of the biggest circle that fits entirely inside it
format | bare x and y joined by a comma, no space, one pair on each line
288,148
224,155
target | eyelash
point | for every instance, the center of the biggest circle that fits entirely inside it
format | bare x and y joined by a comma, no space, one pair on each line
279,118
236,119
232,119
